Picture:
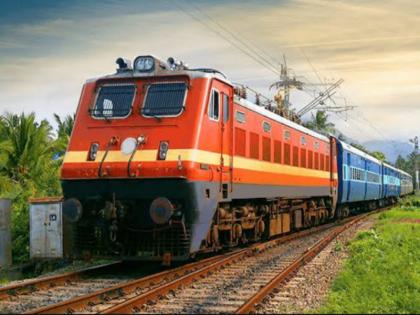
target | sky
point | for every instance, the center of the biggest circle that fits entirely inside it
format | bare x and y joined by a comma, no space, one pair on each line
49,48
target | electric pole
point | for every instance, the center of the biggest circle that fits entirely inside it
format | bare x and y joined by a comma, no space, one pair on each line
415,140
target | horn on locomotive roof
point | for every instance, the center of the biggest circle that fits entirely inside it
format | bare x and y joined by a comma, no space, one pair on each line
175,64
123,65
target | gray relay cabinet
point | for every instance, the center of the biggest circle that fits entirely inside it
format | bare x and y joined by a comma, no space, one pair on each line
46,229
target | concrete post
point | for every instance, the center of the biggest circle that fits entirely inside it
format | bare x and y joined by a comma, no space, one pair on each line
5,233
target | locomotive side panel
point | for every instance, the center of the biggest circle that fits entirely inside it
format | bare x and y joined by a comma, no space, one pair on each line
273,159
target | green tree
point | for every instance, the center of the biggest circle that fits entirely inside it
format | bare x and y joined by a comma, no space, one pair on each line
64,129
26,170
360,147
320,123
378,155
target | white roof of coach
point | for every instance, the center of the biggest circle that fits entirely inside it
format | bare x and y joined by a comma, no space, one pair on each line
391,167
350,148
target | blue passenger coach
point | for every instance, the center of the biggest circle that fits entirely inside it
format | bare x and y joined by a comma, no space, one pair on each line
391,182
406,181
359,177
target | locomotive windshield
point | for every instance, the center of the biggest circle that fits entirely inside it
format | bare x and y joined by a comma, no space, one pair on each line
164,99
114,101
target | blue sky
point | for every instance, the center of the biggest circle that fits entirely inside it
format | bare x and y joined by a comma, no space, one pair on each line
49,48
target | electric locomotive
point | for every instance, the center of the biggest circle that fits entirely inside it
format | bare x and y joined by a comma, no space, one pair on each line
165,162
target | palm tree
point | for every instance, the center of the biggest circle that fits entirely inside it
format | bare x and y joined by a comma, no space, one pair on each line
64,130
320,123
26,146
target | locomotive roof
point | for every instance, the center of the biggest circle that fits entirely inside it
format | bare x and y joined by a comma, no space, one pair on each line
261,110
193,74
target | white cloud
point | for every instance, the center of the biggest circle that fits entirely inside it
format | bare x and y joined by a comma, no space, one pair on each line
373,45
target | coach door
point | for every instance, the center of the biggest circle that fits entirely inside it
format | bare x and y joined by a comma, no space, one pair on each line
220,113
226,140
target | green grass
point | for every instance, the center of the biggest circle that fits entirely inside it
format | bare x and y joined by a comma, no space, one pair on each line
382,274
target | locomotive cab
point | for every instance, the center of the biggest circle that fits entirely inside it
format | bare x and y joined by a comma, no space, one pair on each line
147,143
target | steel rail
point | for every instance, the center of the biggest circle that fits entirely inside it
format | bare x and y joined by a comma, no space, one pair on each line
133,304
79,303
251,304
48,282
171,278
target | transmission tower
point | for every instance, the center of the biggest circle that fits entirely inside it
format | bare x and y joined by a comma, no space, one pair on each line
415,141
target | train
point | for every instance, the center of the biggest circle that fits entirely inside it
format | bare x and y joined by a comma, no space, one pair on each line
166,162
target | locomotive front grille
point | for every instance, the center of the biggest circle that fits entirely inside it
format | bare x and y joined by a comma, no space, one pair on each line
154,243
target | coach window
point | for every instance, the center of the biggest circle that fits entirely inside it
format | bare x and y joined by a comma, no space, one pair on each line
240,117
266,126
214,105
286,135
225,107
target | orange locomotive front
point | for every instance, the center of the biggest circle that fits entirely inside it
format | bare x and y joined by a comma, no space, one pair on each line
166,161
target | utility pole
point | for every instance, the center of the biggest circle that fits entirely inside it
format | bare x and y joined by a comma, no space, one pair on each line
415,140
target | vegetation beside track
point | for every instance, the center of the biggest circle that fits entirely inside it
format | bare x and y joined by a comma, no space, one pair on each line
382,274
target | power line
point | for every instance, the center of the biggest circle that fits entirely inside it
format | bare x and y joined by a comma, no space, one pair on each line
249,45
268,67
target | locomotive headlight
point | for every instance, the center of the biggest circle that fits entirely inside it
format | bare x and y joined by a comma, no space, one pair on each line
93,151
128,146
144,64
163,150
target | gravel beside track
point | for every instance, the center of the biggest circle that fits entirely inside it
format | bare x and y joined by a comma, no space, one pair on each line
34,293
308,288
23,303
226,289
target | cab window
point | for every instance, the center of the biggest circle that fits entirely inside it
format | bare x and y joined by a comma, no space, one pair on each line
114,101
214,105
165,99
225,108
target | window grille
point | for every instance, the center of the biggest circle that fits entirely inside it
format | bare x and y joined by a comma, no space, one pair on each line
302,157
254,146
287,154
164,99
310,159
240,141
295,156
266,149
277,151
114,101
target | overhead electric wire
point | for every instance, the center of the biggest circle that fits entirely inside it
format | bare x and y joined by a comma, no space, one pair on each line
249,45
252,52
190,14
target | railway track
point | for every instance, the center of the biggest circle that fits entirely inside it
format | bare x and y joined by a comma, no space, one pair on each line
233,282
18,297
200,283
